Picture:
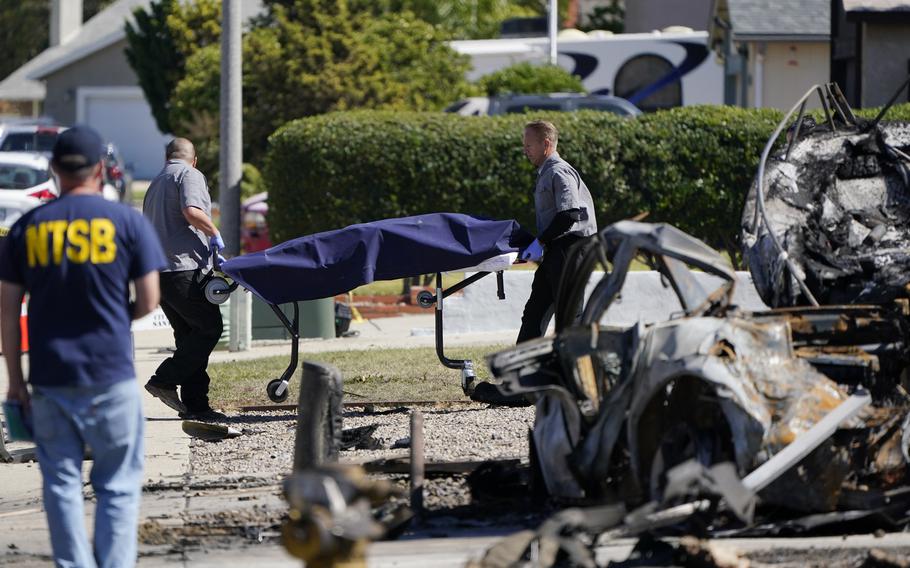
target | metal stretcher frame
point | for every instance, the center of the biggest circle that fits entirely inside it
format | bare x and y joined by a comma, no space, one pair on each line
277,389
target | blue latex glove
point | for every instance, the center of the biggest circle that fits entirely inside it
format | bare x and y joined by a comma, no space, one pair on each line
216,243
533,252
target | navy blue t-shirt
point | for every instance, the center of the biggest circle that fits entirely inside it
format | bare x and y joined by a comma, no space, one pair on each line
75,256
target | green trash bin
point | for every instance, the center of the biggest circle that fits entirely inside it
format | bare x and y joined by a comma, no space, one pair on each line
317,319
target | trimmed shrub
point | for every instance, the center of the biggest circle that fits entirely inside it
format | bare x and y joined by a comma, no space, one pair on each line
528,79
688,166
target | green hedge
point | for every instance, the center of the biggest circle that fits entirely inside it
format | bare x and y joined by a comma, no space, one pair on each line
689,166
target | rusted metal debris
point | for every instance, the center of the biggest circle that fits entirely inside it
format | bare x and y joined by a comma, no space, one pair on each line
333,514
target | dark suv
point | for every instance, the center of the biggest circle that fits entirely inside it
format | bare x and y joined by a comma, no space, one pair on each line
509,104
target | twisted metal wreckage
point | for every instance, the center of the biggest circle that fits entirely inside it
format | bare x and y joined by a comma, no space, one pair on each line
724,421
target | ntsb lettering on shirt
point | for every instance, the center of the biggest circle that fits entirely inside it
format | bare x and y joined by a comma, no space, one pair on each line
83,240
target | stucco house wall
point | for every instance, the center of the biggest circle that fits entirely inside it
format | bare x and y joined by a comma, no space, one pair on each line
786,70
107,67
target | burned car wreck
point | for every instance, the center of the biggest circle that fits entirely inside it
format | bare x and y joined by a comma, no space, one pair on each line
724,422
805,404
618,408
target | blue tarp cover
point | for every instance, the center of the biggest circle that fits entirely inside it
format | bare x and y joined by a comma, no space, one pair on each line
334,262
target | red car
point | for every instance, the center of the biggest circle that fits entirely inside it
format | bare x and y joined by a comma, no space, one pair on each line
254,229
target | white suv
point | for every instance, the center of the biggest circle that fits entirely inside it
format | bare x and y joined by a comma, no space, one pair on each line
30,138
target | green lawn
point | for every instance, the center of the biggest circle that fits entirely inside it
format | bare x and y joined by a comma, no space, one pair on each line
137,192
377,374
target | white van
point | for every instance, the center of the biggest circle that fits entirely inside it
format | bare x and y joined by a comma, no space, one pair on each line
652,71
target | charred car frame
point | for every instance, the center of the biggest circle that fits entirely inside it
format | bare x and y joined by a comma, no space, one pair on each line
619,408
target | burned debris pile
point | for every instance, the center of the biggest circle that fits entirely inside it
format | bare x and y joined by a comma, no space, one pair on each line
836,205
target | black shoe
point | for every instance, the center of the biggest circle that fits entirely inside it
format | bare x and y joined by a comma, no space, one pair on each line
490,394
207,415
166,395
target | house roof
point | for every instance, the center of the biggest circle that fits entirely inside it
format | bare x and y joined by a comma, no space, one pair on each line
18,87
103,30
876,5
769,20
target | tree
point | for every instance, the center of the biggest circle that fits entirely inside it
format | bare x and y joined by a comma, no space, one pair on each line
26,29
610,17
160,43
525,78
461,19
313,56
151,52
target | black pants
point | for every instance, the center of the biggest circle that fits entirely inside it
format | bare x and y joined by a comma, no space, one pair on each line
545,289
197,328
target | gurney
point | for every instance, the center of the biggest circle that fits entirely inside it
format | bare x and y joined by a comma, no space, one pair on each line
326,264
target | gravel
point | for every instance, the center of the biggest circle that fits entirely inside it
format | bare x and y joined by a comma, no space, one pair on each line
470,432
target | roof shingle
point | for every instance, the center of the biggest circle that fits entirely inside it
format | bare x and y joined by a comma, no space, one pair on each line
789,18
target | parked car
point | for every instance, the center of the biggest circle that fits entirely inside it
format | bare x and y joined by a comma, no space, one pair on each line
27,173
116,173
30,138
12,205
254,229
564,102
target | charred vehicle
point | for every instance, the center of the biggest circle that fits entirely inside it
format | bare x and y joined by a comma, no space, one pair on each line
619,408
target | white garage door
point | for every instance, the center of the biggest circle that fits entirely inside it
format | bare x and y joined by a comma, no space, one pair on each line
122,116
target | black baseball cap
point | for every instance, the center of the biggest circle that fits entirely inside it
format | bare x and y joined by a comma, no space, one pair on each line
76,148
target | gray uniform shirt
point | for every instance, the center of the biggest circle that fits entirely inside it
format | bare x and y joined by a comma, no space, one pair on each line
560,188
179,185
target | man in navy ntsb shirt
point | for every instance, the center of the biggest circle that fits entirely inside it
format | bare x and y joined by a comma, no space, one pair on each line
76,257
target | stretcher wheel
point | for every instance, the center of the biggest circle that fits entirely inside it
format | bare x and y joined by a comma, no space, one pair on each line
426,299
217,290
277,390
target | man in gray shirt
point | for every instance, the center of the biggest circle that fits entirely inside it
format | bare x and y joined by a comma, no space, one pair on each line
179,207
565,215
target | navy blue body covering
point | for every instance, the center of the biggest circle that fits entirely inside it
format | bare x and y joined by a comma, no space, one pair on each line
333,262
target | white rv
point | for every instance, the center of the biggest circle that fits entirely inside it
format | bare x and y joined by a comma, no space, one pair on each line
652,70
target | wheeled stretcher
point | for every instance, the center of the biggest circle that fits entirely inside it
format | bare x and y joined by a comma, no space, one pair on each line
325,264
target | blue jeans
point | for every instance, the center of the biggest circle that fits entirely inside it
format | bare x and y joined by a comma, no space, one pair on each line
109,421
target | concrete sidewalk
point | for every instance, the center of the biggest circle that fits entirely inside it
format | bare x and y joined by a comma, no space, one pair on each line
173,496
